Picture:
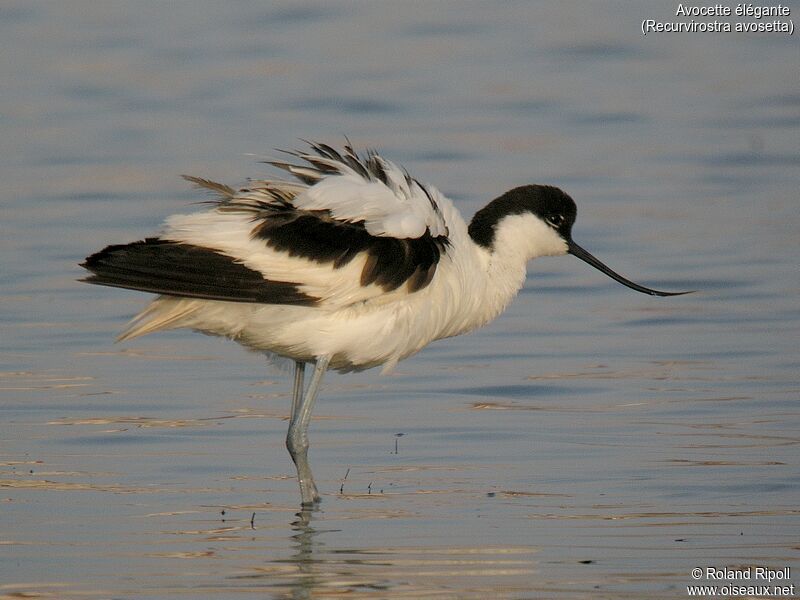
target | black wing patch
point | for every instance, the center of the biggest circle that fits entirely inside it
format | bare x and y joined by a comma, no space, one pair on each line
176,269
317,236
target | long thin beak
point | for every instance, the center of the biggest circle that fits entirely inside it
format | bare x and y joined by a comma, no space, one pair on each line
585,256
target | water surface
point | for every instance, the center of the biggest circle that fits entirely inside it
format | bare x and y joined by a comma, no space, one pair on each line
592,442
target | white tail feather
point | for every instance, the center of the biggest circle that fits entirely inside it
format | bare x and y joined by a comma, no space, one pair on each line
162,313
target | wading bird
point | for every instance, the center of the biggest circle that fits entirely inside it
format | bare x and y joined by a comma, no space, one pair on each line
352,265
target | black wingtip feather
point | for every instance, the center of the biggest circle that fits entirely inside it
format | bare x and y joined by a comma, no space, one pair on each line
172,268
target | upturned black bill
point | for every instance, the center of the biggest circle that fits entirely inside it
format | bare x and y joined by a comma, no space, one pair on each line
585,256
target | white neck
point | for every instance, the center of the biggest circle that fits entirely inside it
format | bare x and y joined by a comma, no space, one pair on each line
518,239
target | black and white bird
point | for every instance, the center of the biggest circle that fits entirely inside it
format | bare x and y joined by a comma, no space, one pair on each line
352,265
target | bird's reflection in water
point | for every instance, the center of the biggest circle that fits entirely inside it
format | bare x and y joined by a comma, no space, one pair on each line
306,580
319,556
314,569
298,575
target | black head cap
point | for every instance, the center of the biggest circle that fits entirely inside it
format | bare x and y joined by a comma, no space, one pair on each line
548,203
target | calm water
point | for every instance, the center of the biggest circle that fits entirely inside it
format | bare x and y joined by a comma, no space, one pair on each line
592,442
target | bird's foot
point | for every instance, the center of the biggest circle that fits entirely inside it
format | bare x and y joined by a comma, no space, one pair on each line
308,493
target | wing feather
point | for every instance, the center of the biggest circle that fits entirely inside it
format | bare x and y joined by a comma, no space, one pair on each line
350,230
177,269
371,189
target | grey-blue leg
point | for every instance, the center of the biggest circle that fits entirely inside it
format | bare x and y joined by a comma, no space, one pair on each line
297,391
297,436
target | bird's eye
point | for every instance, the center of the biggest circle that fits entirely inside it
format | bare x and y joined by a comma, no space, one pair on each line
555,220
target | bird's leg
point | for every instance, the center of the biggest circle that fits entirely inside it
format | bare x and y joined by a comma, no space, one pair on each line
297,391
297,436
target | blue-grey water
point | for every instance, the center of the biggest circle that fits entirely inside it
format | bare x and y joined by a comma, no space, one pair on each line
592,442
